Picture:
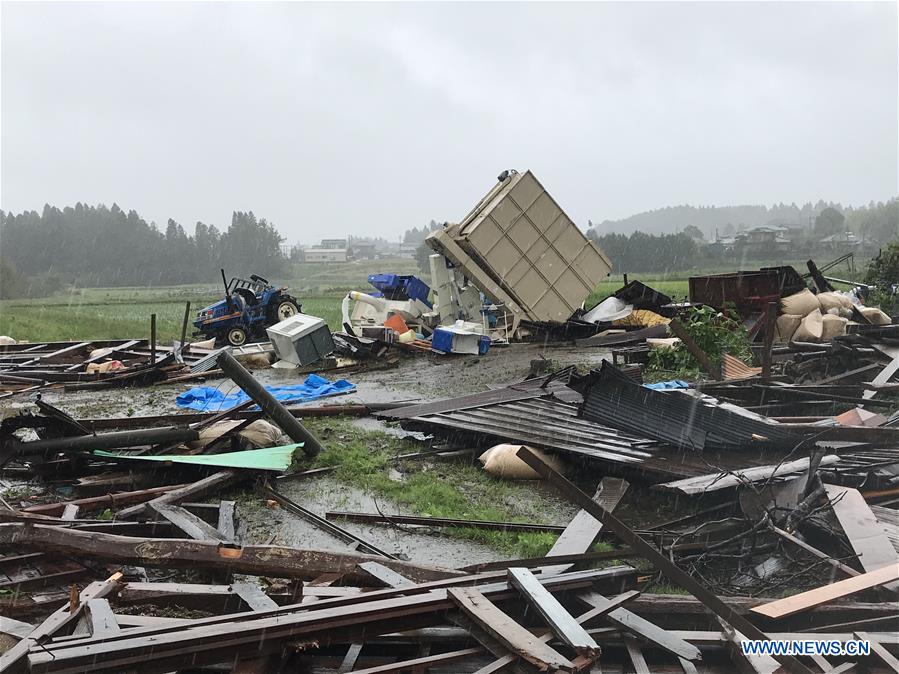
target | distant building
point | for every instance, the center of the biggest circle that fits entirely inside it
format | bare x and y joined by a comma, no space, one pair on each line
334,244
325,255
364,251
841,241
764,240
408,249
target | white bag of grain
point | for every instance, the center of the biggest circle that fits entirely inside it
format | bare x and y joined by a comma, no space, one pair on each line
833,300
786,326
832,326
811,329
502,461
875,315
802,303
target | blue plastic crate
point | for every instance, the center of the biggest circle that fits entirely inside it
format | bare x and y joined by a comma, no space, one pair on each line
401,287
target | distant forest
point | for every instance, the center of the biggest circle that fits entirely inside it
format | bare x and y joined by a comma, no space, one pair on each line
877,221
100,246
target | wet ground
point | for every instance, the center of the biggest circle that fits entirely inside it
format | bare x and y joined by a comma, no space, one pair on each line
416,378
424,377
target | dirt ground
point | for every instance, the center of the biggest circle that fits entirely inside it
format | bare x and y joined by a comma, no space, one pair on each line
425,377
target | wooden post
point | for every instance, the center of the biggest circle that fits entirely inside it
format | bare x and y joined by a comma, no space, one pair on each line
152,339
770,325
185,347
712,369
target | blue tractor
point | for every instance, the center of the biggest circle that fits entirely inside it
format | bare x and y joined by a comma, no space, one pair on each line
249,307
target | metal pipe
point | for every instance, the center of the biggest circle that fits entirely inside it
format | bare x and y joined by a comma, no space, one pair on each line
152,339
184,326
272,408
150,436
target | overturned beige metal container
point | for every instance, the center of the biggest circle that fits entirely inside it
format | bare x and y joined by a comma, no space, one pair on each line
520,248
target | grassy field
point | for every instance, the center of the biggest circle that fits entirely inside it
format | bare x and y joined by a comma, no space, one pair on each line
122,313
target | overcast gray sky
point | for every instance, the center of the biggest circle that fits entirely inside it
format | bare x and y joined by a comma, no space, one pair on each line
367,119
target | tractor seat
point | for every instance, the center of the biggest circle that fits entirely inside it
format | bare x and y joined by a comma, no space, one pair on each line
247,295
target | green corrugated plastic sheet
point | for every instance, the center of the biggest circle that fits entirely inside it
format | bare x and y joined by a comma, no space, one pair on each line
269,458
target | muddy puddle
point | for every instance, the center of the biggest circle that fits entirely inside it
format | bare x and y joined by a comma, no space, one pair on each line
324,494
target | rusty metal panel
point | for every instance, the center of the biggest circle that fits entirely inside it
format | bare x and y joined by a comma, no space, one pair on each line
746,290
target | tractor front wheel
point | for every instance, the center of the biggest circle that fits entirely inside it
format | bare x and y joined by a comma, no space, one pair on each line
286,309
237,336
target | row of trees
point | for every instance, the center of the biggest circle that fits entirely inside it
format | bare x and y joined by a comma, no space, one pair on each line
100,246
877,221
641,252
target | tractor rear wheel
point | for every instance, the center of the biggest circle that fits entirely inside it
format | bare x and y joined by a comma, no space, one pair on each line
286,309
237,336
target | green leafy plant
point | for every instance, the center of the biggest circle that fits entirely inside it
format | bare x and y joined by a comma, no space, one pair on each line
714,332
883,273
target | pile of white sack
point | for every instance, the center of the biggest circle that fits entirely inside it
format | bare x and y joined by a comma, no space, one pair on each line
807,317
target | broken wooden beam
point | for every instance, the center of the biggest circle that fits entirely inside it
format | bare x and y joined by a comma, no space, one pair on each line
102,502
197,489
13,661
674,573
443,522
503,663
866,535
804,601
260,560
189,523
583,530
646,630
560,621
222,638
507,631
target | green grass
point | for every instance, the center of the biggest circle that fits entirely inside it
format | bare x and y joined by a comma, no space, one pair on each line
435,489
124,313
326,278
676,289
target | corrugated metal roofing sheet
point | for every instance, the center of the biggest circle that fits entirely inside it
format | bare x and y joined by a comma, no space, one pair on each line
675,418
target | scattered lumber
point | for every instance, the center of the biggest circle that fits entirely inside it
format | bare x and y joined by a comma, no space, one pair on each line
844,588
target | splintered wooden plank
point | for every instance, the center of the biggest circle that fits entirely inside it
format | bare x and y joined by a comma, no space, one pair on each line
254,597
503,663
505,630
643,629
13,660
746,663
226,526
866,535
15,628
804,601
421,663
189,523
102,620
879,650
560,621
389,577
583,530
636,655
349,660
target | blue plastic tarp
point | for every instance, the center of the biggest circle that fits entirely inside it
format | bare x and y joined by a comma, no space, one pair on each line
208,399
668,385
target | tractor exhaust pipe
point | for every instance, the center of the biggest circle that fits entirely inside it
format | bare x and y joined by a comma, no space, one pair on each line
227,293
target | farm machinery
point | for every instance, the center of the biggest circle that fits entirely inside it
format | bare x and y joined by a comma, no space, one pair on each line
249,306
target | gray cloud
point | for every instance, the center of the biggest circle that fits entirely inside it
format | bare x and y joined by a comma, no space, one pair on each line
371,118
